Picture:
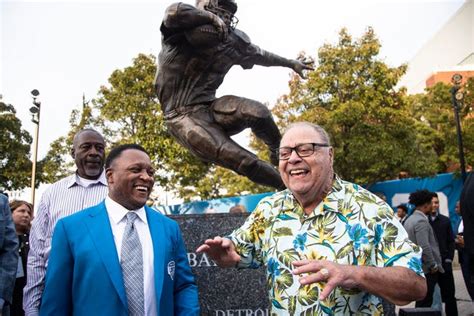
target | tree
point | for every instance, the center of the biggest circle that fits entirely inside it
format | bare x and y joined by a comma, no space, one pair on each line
15,164
436,125
352,94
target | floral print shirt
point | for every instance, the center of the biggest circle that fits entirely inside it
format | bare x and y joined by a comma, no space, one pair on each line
350,226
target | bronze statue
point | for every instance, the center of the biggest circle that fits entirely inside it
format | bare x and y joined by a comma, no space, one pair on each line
199,46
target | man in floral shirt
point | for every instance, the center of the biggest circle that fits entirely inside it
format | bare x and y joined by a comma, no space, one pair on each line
330,246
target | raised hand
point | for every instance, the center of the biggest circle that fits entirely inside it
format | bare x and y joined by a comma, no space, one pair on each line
221,250
300,65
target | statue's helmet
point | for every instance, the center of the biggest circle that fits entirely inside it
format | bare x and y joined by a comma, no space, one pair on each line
213,5
222,8
229,5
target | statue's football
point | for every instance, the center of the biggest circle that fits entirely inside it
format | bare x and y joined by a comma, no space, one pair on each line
203,36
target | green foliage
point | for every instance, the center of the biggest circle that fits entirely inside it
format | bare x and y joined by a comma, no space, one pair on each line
233,184
15,165
351,93
436,124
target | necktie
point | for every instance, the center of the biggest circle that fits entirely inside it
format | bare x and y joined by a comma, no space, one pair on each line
132,267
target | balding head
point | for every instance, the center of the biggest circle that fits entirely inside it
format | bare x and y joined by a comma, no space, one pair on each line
324,135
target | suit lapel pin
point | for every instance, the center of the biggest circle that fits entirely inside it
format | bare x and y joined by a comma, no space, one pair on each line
171,268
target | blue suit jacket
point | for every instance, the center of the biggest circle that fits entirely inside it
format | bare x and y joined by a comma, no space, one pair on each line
84,276
8,253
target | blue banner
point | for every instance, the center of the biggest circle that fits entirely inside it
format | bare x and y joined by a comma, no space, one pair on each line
214,206
396,192
447,185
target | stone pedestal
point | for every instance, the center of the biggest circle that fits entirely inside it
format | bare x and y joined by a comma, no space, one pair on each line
222,292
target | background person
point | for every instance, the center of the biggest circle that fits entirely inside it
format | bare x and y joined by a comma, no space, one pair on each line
444,234
467,211
120,257
86,187
22,213
420,232
8,256
329,246
238,209
402,213
463,258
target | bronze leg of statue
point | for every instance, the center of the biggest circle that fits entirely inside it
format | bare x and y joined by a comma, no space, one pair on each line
207,140
234,114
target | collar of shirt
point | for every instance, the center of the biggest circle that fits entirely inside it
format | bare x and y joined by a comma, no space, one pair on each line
329,203
417,211
73,180
117,212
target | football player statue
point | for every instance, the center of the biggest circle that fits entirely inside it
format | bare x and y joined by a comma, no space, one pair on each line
199,46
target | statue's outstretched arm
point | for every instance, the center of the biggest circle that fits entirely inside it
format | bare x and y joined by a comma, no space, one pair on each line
270,59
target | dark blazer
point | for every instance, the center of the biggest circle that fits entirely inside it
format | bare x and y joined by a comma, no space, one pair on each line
84,275
8,255
420,232
467,211
444,233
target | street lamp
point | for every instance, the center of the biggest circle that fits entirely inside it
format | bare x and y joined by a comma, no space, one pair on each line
456,98
35,118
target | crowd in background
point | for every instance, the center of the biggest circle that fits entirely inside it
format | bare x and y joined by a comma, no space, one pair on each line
433,232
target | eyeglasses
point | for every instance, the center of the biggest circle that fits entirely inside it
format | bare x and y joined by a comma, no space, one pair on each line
302,150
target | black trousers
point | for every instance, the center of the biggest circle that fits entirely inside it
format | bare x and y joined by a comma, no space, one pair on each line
465,260
431,280
448,290
446,283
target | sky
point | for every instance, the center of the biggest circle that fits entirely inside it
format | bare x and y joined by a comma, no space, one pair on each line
67,49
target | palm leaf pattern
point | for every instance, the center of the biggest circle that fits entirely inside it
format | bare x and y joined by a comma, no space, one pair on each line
350,226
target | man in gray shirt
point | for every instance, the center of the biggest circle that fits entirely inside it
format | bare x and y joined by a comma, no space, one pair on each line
420,232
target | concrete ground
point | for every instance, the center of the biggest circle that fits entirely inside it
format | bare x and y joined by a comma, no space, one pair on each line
465,306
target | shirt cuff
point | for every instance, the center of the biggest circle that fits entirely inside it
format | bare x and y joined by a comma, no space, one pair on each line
31,312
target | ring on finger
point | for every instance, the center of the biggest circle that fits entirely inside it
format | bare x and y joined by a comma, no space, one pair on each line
325,273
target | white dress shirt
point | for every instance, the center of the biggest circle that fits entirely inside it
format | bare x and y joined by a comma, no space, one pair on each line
118,220
64,197
461,227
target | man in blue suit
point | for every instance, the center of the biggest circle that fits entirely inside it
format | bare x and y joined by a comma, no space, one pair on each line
120,257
